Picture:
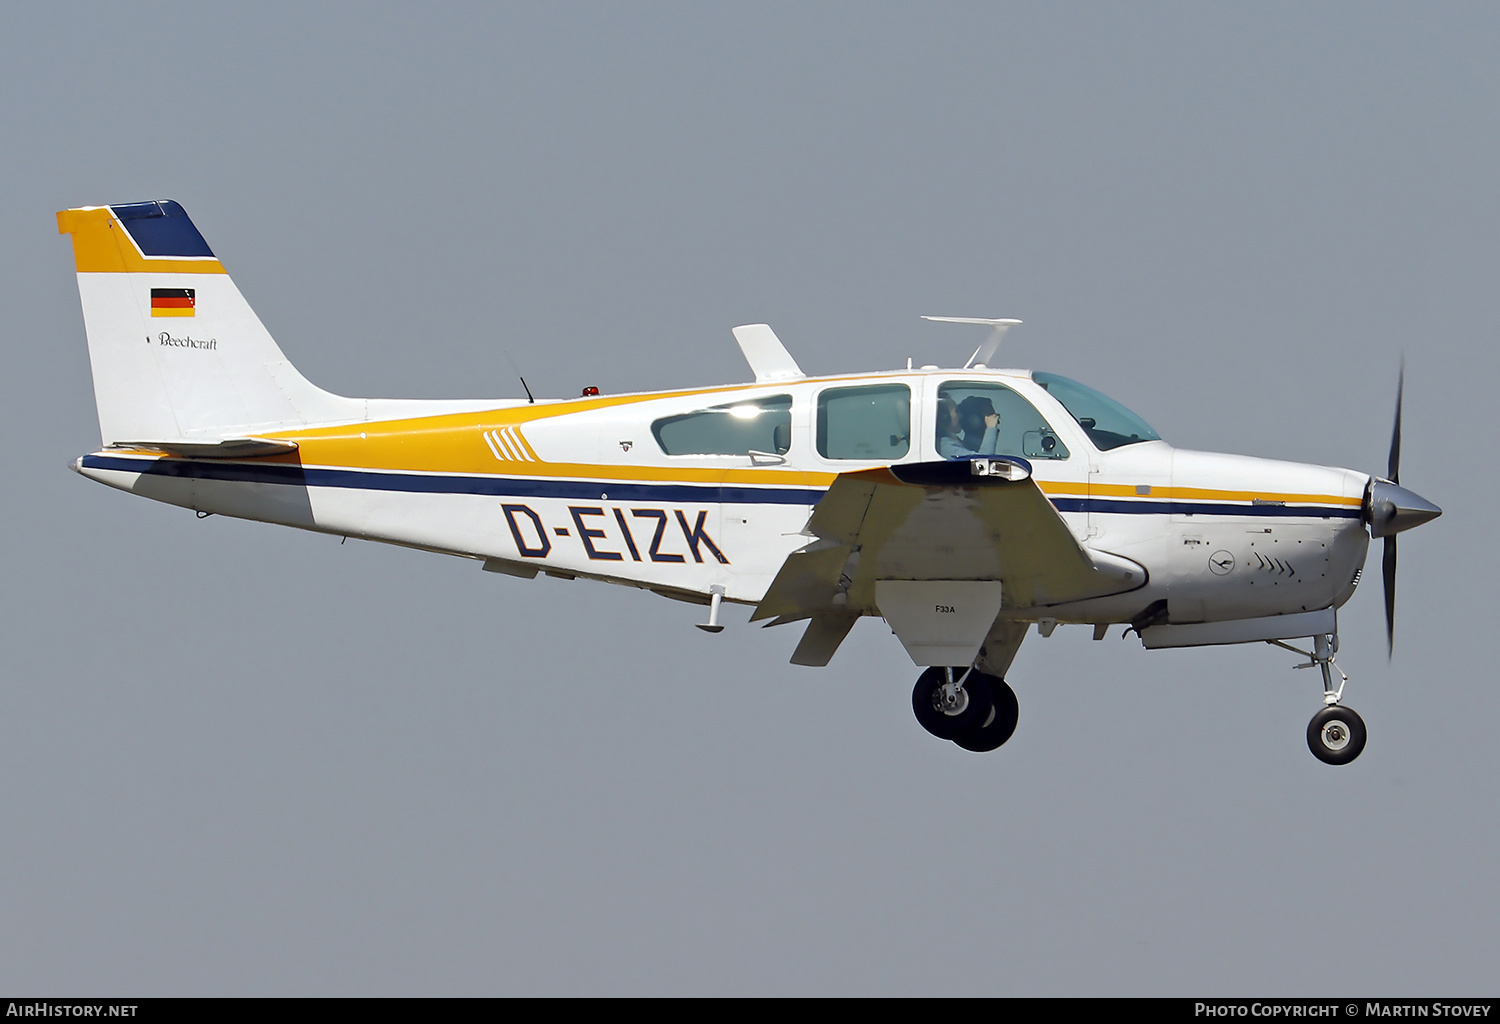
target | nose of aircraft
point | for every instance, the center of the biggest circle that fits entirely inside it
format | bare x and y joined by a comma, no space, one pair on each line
1391,508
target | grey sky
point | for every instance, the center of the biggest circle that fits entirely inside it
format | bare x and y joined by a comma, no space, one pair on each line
237,759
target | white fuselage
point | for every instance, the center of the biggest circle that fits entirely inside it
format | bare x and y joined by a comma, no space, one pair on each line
585,488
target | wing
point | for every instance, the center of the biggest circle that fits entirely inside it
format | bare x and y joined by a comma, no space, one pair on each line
894,541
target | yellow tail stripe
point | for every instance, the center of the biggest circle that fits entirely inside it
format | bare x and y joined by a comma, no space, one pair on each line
101,245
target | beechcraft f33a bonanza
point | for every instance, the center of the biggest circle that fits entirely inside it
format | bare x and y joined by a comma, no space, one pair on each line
959,505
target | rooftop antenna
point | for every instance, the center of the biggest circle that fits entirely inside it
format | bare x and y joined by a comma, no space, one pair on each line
986,351
530,398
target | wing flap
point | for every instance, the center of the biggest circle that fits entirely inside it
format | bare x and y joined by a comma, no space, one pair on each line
808,581
824,634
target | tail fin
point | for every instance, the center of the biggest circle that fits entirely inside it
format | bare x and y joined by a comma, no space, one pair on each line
177,353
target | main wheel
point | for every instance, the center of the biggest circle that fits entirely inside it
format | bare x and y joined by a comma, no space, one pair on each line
1336,735
1001,723
937,717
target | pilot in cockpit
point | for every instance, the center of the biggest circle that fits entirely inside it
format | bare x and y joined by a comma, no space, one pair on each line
970,427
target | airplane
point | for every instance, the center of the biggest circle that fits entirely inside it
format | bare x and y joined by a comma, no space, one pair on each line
962,505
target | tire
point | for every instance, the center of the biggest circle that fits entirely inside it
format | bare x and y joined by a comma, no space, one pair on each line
938,722
1336,735
1000,725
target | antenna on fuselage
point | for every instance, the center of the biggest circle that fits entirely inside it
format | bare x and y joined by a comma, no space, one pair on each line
986,351
529,396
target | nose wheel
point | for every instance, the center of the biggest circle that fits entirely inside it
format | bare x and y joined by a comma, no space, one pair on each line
1336,735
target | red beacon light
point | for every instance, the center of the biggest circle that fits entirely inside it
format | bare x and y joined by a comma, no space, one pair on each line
590,391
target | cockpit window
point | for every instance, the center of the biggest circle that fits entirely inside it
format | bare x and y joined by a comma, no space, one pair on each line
1107,423
984,418
865,422
752,425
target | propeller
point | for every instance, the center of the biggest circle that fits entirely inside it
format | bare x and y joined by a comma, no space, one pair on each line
1390,509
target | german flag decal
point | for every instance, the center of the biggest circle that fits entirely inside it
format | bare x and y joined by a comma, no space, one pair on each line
172,301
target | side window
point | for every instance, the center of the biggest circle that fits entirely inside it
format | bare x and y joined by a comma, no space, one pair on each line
755,424
871,422
981,418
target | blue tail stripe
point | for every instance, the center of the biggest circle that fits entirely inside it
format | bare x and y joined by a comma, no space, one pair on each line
161,229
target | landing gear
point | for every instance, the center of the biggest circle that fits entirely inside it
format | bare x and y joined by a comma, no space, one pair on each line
975,710
1336,735
1000,724
951,701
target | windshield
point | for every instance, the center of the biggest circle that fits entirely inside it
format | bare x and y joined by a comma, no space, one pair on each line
1107,423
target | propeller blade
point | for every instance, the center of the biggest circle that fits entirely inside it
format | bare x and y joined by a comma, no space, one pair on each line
1393,466
1388,569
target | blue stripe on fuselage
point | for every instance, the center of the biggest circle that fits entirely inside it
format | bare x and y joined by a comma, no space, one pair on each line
1108,506
497,486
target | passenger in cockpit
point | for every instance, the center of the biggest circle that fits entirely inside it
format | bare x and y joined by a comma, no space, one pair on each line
950,435
980,424
970,427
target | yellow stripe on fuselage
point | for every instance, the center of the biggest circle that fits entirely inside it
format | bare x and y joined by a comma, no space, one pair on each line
1070,489
454,443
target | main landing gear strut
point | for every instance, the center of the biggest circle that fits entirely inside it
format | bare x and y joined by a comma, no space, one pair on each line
1336,735
975,710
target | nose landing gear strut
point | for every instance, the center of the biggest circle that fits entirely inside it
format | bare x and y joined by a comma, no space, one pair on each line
1336,735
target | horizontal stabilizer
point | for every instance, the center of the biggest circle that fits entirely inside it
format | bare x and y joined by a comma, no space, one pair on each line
981,320
229,448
